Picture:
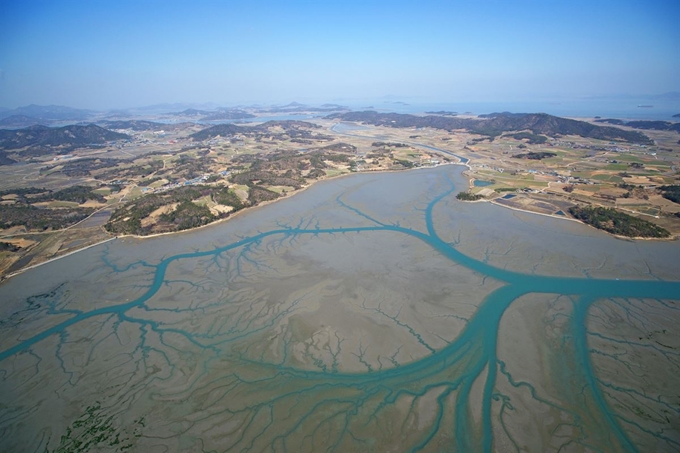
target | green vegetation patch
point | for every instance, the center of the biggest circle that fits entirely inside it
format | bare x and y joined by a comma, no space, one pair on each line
266,177
467,196
388,145
534,139
128,218
94,431
77,194
40,219
404,163
534,156
189,215
259,194
63,210
671,193
226,196
616,222
9,247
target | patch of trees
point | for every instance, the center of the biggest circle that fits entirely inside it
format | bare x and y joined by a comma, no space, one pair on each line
671,193
9,247
128,218
23,192
616,222
77,194
468,196
404,163
84,167
336,157
316,161
615,121
533,139
535,156
226,196
189,167
339,147
188,215
250,178
22,213
388,145
316,173
474,141
133,171
257,194
40,219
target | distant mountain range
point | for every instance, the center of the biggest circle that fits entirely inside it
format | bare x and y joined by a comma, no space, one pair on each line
20,121
495,124
215,115
226,130
48,113
643,124
296,107
67,136
172,107
135,125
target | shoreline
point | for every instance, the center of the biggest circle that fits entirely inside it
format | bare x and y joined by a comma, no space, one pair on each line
6,277
3,278
617,236
281,198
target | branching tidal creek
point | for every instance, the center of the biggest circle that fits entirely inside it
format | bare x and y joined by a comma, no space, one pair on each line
369,313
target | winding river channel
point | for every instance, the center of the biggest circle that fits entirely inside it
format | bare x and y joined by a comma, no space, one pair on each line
373,312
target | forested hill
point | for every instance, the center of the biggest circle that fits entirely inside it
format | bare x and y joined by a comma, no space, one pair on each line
67,136
222,130
291,128
644,124
495,124
135,125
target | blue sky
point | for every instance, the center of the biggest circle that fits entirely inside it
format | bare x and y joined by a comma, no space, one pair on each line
106,54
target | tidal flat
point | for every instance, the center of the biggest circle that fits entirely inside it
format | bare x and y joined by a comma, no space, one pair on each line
373,312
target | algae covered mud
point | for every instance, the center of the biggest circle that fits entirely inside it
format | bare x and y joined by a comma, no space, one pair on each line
368,313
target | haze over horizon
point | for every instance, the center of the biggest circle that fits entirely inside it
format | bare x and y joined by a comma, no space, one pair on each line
129,54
